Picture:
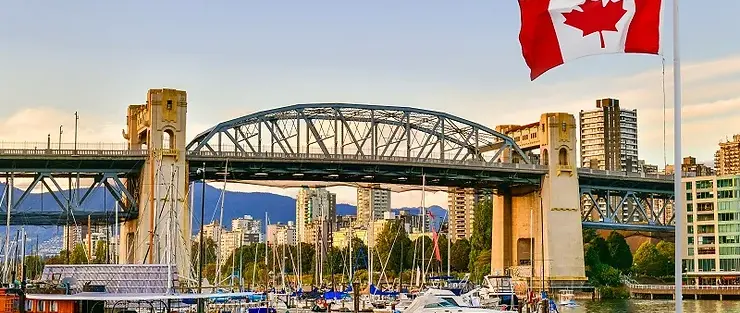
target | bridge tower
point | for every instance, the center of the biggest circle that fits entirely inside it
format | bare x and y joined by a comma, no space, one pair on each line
162,185
536,233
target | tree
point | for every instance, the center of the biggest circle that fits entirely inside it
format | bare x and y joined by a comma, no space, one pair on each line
392,246
481,265
210,252
602,249
605,275
79,255
480,240
460,255
648,261
667,251
34,265
619,252
101,252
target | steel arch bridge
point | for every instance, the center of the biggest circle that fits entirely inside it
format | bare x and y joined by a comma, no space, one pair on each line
362,142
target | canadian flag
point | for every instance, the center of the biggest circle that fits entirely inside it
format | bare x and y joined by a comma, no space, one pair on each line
557,31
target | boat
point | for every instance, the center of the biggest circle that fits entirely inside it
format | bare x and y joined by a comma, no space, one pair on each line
428,303
497,290
566,298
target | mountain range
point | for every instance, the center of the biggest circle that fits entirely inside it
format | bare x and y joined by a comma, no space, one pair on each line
237,204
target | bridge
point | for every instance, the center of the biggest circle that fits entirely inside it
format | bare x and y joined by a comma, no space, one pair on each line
149,175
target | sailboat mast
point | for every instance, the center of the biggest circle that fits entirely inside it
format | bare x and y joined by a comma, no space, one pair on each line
423,225
9,191
220,225
169,232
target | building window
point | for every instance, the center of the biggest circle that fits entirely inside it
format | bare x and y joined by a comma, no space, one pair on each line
705,195
704,184
722,183
706,265
690,229
689,218
42,306
691,240
54,307
169,104
563,156
689,196
689,207
729,265
688,185
705,207
688,265
691,251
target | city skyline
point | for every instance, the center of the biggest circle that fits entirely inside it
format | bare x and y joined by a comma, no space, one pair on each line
241,59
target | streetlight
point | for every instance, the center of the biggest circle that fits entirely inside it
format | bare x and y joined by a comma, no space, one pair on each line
201,251
59,147
77,117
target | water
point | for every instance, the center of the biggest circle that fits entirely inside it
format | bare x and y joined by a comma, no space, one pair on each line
654,306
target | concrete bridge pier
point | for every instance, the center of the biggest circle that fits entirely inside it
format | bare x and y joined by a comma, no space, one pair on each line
161,188
536,232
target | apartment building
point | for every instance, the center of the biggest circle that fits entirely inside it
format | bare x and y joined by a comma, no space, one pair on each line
712,253
609,137
727,158
316,211
372,200
282,234
461,204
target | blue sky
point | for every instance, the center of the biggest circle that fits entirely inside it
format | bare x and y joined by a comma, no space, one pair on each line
238,57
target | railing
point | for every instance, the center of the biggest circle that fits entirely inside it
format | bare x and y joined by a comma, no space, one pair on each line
33,145
673,287
72,153
624,174
361,158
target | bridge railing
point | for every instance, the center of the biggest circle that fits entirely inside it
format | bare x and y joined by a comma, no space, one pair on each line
67,149
624,174
34,145
361,158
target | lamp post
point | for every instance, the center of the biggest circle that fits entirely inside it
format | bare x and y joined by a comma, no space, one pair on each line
201,251
59,144
77,117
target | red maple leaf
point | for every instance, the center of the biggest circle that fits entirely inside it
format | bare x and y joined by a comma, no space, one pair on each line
595,17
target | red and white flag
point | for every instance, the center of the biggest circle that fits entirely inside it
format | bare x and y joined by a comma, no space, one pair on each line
557,31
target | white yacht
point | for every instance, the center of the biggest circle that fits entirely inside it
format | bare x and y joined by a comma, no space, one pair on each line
428,303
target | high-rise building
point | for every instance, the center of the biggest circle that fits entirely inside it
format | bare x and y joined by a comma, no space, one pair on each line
609,137
79,234
315,206
281,234
461,204
248,225
689,168
371,200
712,253
727,158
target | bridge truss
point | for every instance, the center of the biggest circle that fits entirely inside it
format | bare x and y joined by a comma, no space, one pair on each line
95,175
369,141
630,202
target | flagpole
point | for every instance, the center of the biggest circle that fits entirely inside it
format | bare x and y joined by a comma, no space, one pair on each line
678,208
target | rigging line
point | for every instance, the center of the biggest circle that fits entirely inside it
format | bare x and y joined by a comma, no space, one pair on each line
168,191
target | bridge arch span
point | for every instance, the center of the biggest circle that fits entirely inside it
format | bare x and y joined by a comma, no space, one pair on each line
337,130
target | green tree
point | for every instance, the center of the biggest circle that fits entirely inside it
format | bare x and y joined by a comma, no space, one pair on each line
480,240
602,249
619,252
649,261
79,255
359,254
392,246
210,252
667,251
481,265
34,265
605,275
460,255
101,252
589,235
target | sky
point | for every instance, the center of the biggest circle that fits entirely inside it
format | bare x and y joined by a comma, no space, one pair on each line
239,57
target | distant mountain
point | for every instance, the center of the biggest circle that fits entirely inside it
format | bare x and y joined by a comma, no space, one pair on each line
279,208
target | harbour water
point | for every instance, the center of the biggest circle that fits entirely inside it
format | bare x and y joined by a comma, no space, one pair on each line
654,306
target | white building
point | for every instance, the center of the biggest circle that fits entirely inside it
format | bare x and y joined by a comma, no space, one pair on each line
282,234
248,225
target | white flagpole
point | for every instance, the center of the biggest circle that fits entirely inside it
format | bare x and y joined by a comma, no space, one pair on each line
678,208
